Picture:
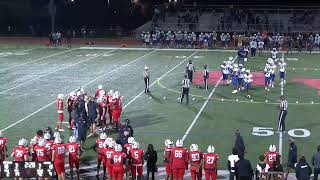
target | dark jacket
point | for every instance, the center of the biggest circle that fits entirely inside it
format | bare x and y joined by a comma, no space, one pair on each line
303,171
293,154
122,138
151,157
239,145
316,160
244,168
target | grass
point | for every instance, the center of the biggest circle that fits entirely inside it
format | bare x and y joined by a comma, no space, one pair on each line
154,117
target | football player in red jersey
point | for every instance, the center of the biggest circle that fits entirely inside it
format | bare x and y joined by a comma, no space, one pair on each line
32,145
166,158
73,153
118,162
209,163
110,102
109,145
49,143
58,157
271,155
70,101
99,144
116,109
127,148
3,147
179,160
98,90
60,112
103,111
20,152
41,151
195,157
136,157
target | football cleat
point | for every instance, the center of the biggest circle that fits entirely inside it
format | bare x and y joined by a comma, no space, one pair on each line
130,140
103,136
135,145
194,147
72,139
118,148
210,149
179,143
234,91
42,142
61,130
57,140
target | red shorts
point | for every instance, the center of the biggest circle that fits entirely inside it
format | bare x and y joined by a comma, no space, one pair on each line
101,160
178,173
168,168
135,170
74,161
60,117
59,167
117,173
109,170
196,175
116,114
212,174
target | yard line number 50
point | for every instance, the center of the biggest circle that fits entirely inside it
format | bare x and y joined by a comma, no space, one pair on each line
268,131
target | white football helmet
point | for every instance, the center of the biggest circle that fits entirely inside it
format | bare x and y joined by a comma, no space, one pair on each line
230,58
274,49
135,145
82,91
56,134
270,148
1,134
274,148
194,147
103,136
168,142
72,139
60,96
106,143
146,67
112,144
100,86
72,94
42,142
130,140
57,140
47,136
110,93
102,92
210,149
282,59
179,143
118,148
248,71
22,142
33,141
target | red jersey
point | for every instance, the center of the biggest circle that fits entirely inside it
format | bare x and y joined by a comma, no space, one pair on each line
271,157
59,151
98,93
19,152
179,158
49,144
60,105
127,148
118,159
166,155
73,149
3,143
195,159
100,143
41,153
108,152
210,161
136,156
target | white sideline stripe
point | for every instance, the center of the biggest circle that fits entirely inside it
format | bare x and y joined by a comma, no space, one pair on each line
159,79
44,107
57,70
26,50
202,108
46,57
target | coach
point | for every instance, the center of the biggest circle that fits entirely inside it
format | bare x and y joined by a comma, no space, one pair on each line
190,69
283,114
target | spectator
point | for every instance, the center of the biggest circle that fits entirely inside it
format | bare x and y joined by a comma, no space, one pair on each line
151,158
292,156
232,160
239,144
303,170
244,169
316,163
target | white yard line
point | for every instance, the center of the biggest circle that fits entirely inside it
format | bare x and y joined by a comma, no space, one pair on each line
53,102
46,57
138,95
57,70
202,108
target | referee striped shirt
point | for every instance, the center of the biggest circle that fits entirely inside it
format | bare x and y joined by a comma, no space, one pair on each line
284,105
186,83
146,73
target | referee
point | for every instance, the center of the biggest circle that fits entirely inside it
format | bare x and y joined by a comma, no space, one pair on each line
283,114
146,75
185,85
190,69
205,76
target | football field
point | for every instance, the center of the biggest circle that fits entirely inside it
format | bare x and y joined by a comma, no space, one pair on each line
31,77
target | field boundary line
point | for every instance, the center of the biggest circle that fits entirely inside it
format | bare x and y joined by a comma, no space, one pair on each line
44,107
203,106
36,60
51,72
154,82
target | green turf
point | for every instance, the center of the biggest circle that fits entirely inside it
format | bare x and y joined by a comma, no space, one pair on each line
157,116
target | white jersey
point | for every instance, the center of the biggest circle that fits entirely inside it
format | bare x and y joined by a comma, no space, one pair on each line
233,159
282,66
260,44
267,72
317,40
224,69
248,78
274,54
273,69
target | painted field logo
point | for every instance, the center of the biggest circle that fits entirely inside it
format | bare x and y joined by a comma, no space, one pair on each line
314,83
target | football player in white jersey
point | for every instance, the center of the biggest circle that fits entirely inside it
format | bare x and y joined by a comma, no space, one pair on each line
260,47
274,54
273,69
248,79
267,77
282,70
